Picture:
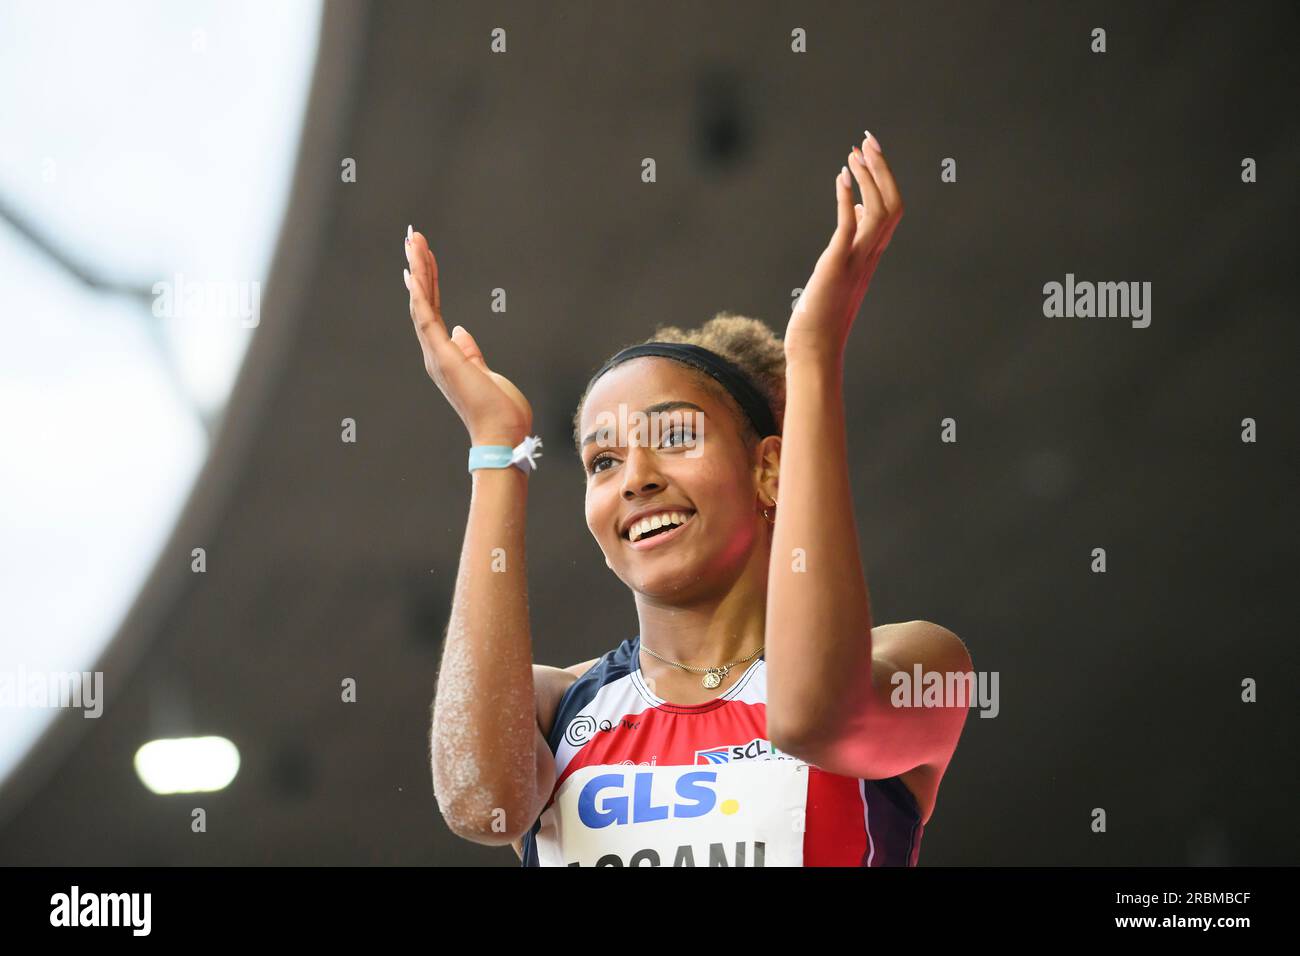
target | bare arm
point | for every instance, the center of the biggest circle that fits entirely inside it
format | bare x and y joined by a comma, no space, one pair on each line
545,781
829,703
487,769
488,757
550,684
819,592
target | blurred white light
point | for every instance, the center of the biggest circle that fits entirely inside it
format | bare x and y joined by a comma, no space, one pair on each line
187,764
148,149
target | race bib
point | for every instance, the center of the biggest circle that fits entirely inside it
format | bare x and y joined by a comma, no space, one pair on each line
749,813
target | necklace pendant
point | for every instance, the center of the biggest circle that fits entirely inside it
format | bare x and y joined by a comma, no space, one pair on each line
714,677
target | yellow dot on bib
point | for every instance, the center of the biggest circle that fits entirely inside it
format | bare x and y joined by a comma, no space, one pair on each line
729,807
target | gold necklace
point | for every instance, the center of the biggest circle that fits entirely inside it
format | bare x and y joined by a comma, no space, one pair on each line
713,676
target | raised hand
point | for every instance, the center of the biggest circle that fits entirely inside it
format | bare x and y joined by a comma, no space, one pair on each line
494,411
819,326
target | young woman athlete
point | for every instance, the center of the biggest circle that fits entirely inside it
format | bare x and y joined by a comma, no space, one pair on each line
752,720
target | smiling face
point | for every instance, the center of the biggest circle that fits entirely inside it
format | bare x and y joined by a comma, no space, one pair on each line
682,460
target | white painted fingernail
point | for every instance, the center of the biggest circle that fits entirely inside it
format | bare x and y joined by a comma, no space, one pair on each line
409,233
406,277
844,176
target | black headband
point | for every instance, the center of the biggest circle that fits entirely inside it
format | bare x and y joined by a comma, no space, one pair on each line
736,382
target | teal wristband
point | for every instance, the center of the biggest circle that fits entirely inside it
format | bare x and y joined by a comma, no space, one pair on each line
490,456
523,456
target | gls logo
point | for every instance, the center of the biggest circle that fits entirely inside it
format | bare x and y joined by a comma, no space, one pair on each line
695,798
756,749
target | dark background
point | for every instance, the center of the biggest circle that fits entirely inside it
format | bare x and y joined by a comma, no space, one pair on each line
329,560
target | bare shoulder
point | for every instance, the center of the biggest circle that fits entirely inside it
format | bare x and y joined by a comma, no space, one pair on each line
550,684
577,670
554,681
934,648
920,642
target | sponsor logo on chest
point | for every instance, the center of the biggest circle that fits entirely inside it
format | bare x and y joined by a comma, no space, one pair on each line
744,811
756,749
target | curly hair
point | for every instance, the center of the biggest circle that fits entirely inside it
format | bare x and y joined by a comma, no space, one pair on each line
748,343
